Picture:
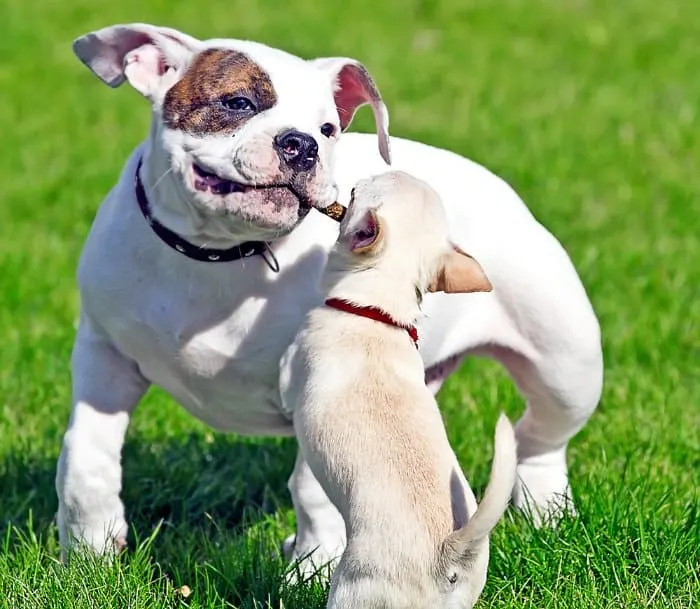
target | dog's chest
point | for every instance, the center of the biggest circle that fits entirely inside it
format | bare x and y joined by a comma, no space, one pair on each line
214,346
220,362
212,340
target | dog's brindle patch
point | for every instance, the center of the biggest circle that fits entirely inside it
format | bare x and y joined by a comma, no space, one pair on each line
193,104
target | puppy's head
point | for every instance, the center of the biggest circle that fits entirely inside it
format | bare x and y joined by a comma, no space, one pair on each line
396,223
246,131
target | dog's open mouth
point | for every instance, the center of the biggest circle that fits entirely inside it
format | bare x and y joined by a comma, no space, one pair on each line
207,181
204,181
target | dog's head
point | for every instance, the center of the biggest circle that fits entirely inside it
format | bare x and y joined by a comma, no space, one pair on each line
396,224
246,131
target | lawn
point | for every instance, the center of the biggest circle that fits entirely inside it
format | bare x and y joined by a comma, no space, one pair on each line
588,108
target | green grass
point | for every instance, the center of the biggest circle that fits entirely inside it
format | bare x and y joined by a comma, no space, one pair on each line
588,108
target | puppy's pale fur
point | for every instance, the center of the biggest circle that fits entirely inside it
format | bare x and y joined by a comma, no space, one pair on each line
369,427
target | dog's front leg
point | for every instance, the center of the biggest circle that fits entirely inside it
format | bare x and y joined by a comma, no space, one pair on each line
320,538
106,389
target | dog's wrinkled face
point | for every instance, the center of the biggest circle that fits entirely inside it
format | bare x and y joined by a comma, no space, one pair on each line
248,131
253,141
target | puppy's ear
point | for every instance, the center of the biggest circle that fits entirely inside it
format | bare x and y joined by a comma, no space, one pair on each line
151,58
367,235
460,273
354,87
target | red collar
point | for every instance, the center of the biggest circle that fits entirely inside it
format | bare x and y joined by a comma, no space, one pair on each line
372,313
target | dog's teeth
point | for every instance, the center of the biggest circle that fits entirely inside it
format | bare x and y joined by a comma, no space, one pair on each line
219,188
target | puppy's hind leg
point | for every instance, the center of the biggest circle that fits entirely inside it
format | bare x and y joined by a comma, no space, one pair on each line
106,389
320,538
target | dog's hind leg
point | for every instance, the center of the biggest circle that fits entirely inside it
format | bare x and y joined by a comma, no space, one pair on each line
538,322
106,389
548,337
561,392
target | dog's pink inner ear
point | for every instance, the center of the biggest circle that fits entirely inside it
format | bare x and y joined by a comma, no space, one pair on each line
138,53
366,234
353,87
142,64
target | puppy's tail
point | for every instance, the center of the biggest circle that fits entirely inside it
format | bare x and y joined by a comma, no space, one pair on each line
497,495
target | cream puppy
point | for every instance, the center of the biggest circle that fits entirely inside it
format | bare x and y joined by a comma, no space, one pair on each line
368,426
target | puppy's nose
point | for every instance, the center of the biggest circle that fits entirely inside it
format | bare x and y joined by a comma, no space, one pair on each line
299,150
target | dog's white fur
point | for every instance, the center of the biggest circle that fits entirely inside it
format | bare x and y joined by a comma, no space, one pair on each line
368,426
212,335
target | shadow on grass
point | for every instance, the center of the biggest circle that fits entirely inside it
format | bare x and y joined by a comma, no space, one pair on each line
187,481
203,508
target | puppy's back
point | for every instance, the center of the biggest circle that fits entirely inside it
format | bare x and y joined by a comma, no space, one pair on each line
367,420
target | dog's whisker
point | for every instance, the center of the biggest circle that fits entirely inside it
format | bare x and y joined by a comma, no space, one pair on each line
161,178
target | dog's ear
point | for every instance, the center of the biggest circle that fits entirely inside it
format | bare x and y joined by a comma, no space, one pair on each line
460,273
354,87
367,234
151,58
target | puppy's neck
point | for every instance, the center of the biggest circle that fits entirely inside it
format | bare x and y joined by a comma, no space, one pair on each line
371,287
170,204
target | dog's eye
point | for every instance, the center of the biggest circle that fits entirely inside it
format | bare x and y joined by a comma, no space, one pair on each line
327,130
452,578
238,104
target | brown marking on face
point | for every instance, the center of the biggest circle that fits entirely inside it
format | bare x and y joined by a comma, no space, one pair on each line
194,104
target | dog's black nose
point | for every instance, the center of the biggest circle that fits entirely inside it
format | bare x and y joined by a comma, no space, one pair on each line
299,150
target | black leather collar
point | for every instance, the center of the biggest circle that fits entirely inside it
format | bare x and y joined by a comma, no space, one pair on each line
202,254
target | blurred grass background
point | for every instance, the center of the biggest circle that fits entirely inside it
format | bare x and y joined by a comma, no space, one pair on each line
588,108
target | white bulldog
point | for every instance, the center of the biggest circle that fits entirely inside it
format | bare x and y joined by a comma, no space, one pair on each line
203,261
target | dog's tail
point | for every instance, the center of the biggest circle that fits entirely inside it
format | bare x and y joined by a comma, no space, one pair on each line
497,495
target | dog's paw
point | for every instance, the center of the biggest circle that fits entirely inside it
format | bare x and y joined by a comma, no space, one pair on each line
542,492
313,566
99,539
310,561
